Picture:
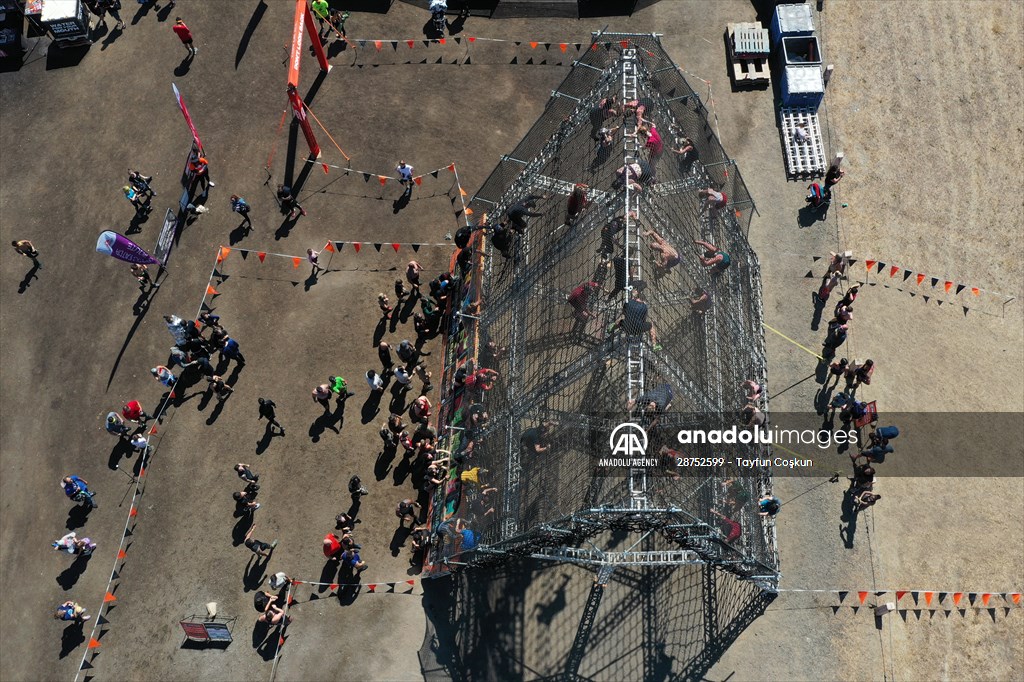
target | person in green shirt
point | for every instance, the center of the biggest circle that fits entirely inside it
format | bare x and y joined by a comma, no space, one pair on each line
322,11
339,386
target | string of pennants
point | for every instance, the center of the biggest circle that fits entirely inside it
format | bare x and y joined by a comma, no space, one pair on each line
924,281
395,587
929,596
563,46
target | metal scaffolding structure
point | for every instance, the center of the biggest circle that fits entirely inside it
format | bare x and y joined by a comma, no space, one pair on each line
543,305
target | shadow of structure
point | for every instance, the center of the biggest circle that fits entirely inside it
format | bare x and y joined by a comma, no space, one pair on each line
533,620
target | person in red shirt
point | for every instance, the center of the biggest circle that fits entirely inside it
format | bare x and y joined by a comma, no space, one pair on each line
133,411
728,527
332,546
184,35
579,300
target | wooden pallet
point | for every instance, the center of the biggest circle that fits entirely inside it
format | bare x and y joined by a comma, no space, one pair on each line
748,53
807,159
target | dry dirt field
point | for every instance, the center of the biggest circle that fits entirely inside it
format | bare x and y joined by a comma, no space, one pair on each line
925,104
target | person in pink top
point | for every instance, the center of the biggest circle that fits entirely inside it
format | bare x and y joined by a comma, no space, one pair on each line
653,145
184,35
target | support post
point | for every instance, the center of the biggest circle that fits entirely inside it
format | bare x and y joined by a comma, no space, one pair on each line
299,111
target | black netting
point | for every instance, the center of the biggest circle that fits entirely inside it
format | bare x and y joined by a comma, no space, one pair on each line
543,307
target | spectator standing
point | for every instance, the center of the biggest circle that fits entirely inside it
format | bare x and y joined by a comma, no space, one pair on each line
184,35
140,182
322,12
289,204
405,176
258,547
241,207
231,351
141,273
268,412
25,248
164,375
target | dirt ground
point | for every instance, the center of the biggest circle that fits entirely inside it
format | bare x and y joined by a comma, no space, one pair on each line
925,119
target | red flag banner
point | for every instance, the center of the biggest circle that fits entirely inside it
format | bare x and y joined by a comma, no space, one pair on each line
451,167
383,180
928,598
262,255
920,278
395,247
533,44
949,285
296,261
957,596
471,39
868,264
893,270
210,291
899,594
329,247
418,179
188,117
985,597
975,291
860,595
410,43
357,246
563,46
93,643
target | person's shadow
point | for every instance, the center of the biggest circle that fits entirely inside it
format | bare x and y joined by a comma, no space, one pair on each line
311,281
184,67
849,515
400,203
383,464
371,408
398,540
27,281
268,436
72,637
819,307
77,517
245,521
217,409
70,575
546,612
239,233
255,573
378,332
807,216
328,575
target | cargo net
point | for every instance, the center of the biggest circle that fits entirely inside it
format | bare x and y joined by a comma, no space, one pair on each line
543,362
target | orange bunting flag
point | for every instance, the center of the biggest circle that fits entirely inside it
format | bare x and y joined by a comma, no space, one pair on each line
594,46
261,255
372,587
471,39
949,285
563,46
210,291
280,642
411,582
334,586
357,246
377,44
1015,597
957,596
122,554
463,192
451,167
297,582
152,431
469,211
976,291
868,264
109,597
326,170
985,597
328,247
93,643
928,598
893,270
920,278
291,600
441,40
862,596
410,43
142,471
418,179
395,247
224,251
383,180
533,44
133,512
296,261
899,594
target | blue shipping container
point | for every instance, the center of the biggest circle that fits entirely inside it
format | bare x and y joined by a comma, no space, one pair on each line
791,20
802,86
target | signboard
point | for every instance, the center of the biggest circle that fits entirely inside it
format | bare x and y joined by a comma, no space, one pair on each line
66,19
218,632
165,241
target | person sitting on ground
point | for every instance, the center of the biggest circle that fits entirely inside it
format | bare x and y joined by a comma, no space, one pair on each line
266,604
864,499
668,257
713,256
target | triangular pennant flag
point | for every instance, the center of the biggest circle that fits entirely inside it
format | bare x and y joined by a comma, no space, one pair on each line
357,246
547,46
280,642
86,665
244,253
93,643
441,40
362,43
418,179
383,180
935,280
563,47
142,472
410,582
372,587
928,598
458,40
463,192
976,291
957,596
129,531
809,275
224,251
122,554
469,59
410,43
942,595
879,593
333,586
262,255
451,167
907,274
366,177
326,169
815,259
394,45
291,600
471,39
416,248
109,597
594,46
949,285
339,246
134,511
926,298
577,46
395,247
920,278
533,44
842,595
972,597
912,294
329,247
985,597
391,588
899,594
914,594
862,596
378,44
210,291
518,43
297,582
469,211
881,266
296,261
1015,597
965,310
868,264
624,44
377,246
426,43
